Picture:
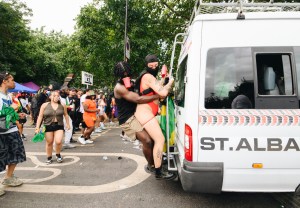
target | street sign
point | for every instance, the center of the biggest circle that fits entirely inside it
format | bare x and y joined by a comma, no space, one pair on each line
86,78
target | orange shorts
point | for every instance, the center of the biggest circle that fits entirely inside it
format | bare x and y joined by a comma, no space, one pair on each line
89,121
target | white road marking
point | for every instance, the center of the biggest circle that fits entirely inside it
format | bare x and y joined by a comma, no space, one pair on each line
55,172
36,161
138,176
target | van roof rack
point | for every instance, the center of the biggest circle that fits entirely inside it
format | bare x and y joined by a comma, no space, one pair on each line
241,6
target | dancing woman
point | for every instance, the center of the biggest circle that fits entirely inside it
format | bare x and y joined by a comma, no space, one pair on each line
145,113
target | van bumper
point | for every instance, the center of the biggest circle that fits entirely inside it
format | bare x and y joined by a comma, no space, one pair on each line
202,177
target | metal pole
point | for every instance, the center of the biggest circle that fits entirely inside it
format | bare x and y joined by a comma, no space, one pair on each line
125,36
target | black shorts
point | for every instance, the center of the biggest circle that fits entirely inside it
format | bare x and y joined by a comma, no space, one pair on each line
12,150
53,127
83,125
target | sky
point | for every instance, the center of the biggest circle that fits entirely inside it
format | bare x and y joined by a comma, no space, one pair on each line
57,15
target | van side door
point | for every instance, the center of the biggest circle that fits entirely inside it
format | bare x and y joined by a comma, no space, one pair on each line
180,83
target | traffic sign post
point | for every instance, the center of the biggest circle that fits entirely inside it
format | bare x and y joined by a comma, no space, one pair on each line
86,78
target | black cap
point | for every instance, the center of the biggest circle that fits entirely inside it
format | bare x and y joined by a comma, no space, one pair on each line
151,58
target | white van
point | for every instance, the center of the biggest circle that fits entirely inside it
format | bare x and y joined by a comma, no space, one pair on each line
253,50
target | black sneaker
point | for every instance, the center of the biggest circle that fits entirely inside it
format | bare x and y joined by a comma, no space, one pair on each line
59,159
166,175
49,161
72,141
23,137
149,169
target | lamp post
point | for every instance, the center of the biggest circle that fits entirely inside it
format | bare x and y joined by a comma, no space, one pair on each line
125,35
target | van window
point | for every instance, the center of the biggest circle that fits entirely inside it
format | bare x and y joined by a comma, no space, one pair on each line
229,73
297,58
180,83
274,74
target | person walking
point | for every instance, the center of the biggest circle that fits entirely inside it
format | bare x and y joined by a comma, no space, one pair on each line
52,114
64,100
34,109
145,113
20,122
25,109
81,109
77,110
12,151
73,103
89,117
102,105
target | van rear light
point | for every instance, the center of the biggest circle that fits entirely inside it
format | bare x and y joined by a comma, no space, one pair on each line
188,143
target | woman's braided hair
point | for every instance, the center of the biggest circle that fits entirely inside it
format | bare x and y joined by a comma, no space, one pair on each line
122,69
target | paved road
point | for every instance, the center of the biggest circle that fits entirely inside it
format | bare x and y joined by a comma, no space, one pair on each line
109,173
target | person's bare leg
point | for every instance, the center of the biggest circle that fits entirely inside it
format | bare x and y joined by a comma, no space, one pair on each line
58,136
145,116
97,124
10,170
49,143
154,130
88,132
148,144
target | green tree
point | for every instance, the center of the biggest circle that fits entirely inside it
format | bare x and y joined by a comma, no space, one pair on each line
46,58
152,26
14,38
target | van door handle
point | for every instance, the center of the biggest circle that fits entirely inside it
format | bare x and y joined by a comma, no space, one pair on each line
292,101
179,112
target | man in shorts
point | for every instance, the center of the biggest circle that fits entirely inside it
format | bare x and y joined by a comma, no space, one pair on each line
12,150
126,101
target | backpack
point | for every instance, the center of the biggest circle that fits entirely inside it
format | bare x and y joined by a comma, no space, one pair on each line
138,84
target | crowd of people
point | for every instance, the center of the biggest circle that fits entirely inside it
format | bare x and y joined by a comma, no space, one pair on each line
62,112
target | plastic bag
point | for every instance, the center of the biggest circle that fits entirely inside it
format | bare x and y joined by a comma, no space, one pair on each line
40,136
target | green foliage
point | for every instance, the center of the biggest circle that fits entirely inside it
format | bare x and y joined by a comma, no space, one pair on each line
152,26
14,38
29,55
98,42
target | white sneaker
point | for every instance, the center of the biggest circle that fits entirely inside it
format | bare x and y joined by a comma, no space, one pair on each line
2,192
98,130
136,142
81,140
68,146
89,141
126,138
102,126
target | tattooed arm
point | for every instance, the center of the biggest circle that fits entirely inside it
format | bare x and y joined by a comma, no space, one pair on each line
150,81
